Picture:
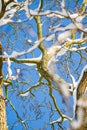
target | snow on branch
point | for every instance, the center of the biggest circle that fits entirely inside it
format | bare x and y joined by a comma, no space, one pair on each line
16,54
73,49
63,36
68,27
61,119
8,10
82,74
75,42
9,70
28,61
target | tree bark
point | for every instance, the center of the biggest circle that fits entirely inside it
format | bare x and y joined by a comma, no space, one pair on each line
3,123
81,104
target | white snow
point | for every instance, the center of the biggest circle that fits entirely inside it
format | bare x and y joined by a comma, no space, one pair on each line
76,84
24,94
63,36
84,69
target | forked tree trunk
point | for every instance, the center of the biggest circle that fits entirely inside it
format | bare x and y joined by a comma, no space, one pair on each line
81,105
3,123
82,99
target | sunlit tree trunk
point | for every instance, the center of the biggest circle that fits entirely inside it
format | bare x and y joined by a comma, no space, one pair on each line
3,123
82,100
81,105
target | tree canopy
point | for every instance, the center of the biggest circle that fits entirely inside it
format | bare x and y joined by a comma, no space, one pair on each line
44,57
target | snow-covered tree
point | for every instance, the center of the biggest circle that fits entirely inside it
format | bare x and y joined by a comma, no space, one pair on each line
44,56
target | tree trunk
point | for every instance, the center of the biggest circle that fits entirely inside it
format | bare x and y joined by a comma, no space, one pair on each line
81,105
3,123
